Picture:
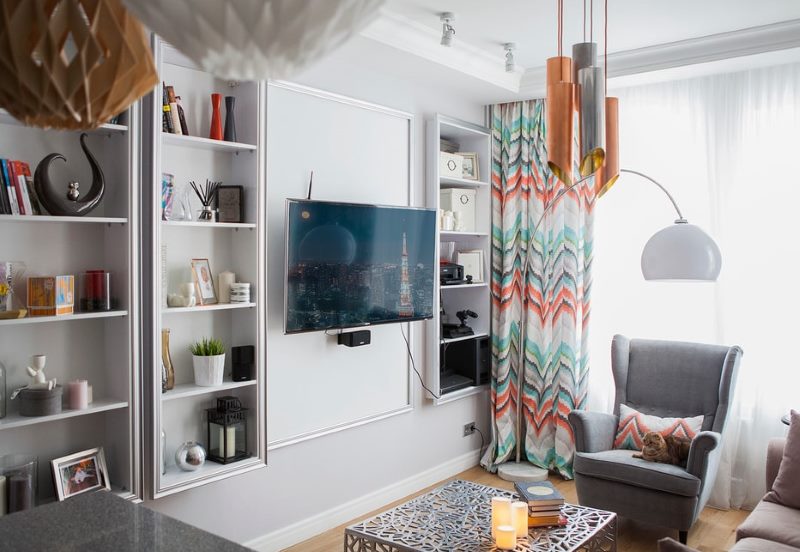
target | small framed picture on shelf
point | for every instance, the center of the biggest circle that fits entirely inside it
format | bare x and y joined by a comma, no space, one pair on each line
167,195
204,282
472,261
230,204
470,170
80,473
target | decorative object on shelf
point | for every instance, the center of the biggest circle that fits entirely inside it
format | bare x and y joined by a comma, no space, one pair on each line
11,273
240,292
51,295
190,456
230,119
472,261
451,164
163,451
78,394
80,472
89,394
253,40
95,288
168,370
469,167
227,431
207,194
3,390
460,200
184,207
208,361
75,206
188,293
226,279
41,397
19,471
79,62
216,119
204,282
230,204
447,220
243,362
167,195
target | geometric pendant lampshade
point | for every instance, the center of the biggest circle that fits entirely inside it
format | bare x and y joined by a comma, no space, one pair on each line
71,64
255,39
609,172
591,87
681,251
560,117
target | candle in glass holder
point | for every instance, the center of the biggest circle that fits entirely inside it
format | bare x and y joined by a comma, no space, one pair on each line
501,513
505,537
519,514
20,492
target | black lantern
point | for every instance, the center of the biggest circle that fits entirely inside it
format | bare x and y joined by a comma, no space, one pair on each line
227,431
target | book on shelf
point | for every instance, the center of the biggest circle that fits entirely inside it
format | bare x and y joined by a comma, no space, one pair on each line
22,188
10,189
166,119
5,203
539,494
36,205
173,110
17,193
182,116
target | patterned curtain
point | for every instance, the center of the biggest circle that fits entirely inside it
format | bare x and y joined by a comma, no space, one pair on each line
558,287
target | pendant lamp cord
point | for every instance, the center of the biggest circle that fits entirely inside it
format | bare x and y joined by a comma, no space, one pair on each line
605,52
591,21
584,20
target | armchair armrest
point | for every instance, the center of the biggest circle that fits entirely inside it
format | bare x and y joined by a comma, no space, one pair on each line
594,431
774,458
702,453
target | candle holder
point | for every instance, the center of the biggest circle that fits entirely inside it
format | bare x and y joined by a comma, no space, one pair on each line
227,431
95,291
18,482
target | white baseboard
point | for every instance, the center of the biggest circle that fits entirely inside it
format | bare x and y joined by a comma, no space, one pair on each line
310,527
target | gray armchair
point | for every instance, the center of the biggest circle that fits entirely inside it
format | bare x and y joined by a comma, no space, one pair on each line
662,378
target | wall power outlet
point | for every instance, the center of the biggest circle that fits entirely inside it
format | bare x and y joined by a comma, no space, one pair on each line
469,429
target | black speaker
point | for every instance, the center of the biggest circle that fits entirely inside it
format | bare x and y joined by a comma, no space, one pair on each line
355,339
484,360
244,360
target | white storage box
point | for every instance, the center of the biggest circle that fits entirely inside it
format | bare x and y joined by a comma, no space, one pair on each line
462,203
451,165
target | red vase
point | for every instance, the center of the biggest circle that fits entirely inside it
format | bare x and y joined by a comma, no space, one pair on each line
216,118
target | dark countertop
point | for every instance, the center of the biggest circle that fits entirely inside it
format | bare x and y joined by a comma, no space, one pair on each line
101,521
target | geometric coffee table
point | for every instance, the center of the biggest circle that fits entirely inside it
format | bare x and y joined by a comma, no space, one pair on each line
457,517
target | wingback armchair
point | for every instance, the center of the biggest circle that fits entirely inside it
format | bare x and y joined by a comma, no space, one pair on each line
667,379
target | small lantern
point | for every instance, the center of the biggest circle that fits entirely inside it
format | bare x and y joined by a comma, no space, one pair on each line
227,431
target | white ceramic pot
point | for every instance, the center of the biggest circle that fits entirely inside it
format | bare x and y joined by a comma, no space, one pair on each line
208,370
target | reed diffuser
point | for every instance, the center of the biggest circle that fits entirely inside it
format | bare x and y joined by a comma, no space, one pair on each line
206,195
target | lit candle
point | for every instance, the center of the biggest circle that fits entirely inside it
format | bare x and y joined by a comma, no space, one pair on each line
501,513
78,394
230,446
519,513
506,537
3,506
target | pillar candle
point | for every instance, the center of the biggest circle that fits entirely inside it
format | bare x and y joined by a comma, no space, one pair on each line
78,394
225,280
89,394
501,513
506,537
20,492
3,506
519,514
230,446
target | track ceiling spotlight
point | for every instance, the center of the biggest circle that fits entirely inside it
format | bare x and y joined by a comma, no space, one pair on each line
448,31
509,48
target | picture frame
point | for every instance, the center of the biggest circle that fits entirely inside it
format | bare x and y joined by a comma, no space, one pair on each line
470,169
204,282
473,263
230,204
80,473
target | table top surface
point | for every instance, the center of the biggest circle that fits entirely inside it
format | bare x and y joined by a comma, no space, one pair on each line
457,517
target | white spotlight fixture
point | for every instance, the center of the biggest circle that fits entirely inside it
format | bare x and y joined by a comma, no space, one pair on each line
448,31
509,48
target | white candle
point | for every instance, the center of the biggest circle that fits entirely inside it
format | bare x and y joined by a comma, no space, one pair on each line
501,513
3,494
506,538
89,395
519,513
78,394
225,280
230,447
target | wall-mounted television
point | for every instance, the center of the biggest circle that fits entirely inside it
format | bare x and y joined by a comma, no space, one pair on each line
350,265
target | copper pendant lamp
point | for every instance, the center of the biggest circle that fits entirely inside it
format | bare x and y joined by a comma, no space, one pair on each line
560,111
609,172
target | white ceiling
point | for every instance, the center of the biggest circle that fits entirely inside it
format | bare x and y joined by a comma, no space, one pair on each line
531,24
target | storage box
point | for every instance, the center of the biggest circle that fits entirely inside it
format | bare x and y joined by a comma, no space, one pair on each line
51,295
451,165
40,402
461,201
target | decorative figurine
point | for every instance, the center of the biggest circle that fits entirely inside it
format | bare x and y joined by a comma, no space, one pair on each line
230,119
190,456
75,205
36,372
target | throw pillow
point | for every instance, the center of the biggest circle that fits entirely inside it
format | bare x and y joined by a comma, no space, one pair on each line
785,490
633,425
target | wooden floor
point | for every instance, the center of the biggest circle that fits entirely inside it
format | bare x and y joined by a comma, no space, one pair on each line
713,532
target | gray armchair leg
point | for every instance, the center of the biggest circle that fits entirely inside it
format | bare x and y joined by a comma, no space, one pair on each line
682,536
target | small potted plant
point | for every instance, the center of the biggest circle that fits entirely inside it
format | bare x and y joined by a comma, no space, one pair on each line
208,359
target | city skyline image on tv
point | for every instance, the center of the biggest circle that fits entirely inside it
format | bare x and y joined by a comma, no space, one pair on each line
354,265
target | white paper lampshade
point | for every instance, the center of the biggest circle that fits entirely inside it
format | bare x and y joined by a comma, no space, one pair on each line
255,39
681,251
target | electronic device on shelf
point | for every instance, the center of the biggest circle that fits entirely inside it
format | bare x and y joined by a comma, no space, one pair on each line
451,274
450,331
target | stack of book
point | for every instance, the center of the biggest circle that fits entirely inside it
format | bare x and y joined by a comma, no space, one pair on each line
544,503
173,119
17,195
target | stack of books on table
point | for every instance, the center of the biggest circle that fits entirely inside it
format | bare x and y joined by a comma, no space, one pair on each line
544,503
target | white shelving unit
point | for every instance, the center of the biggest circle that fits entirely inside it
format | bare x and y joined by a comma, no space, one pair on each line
239,248
451,381
102,347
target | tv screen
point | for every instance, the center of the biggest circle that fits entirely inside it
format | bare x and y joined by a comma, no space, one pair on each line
351,265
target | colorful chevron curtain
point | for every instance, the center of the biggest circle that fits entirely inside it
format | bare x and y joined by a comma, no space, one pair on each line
558,286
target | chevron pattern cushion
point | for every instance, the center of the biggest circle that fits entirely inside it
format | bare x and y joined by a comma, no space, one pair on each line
633,425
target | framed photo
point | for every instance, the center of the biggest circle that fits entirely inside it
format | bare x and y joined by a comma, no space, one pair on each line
472,261
230,204
469,169
80,473
204,282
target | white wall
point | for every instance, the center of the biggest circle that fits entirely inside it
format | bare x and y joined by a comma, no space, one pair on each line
312,477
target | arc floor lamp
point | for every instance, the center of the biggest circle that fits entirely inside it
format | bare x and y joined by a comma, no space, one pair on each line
679,252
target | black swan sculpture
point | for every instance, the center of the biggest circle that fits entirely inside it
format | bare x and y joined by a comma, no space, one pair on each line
53,202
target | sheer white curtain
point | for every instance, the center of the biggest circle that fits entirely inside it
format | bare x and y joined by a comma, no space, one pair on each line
725,146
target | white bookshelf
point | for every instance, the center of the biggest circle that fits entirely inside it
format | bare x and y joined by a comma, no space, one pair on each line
475,296
236,247
102,347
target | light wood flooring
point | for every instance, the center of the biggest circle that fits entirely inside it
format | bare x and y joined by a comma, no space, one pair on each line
713,532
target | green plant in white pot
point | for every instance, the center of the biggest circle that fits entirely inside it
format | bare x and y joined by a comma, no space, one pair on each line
208,359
